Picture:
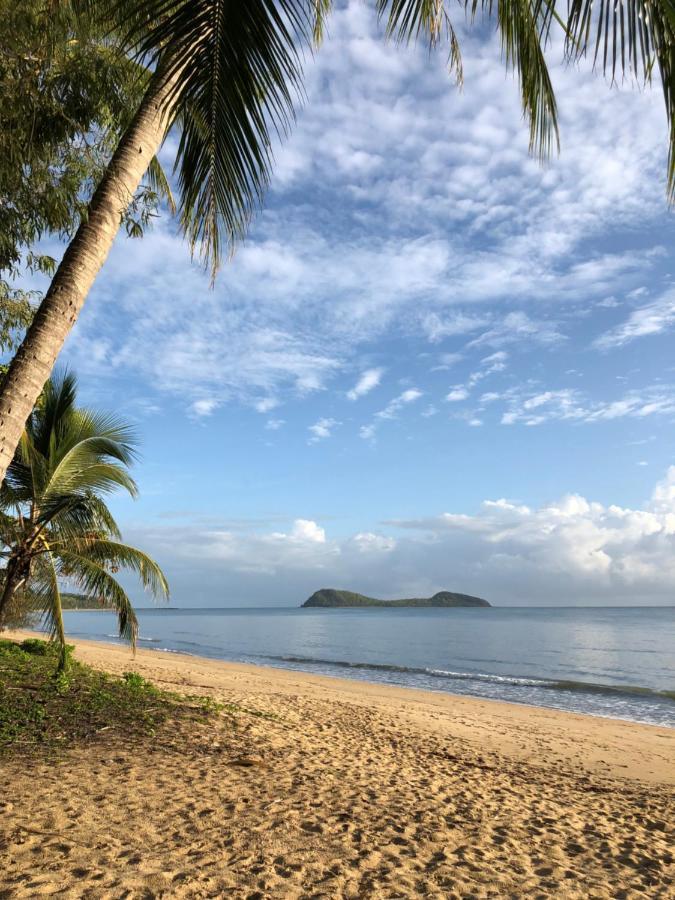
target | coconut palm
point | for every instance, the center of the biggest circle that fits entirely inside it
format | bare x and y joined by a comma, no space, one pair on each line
55,525
225,73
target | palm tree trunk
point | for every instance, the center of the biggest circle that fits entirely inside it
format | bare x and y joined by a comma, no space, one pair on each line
81,262
12,582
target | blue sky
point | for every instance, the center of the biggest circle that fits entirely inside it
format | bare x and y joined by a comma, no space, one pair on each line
433,363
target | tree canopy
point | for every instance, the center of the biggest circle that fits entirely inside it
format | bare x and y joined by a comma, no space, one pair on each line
66,95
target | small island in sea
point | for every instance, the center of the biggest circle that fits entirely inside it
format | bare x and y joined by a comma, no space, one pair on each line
332,598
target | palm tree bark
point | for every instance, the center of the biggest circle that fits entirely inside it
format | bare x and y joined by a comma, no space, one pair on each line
81,263
12,582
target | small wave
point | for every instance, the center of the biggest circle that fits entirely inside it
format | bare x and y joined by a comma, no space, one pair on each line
413,670
483,676
145,640
586,687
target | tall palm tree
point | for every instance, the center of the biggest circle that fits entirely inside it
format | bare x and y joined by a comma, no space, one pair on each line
225,73
54,523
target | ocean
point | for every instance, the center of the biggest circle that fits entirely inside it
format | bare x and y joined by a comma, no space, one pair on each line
617,662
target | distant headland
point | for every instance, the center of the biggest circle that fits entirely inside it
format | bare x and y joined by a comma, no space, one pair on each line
330,597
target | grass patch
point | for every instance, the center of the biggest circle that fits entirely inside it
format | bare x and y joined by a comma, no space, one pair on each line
39,710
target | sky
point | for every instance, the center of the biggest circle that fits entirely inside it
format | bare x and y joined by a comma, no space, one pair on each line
433,364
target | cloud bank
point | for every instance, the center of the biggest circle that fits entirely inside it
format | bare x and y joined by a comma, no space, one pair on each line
572,552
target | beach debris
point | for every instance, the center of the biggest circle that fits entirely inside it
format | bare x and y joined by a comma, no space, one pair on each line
247,762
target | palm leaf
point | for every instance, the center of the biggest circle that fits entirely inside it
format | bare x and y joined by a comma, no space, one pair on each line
240,72
56,401
46,597
95,581
159,183
109,553
72,518
633,36
523,26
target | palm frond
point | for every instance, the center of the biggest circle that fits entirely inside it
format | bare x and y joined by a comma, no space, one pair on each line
633,37
240,73
81,471
93,579
321,10
159,183
72,518
11,532
409,20
89,451
46,598
523,26
105,432
28,470
56,401
114,554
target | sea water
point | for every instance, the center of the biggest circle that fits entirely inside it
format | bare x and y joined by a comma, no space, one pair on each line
617,662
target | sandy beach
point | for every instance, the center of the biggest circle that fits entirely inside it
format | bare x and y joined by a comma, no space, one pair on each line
333,788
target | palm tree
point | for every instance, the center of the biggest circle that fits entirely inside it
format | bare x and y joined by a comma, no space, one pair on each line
54,523
225,73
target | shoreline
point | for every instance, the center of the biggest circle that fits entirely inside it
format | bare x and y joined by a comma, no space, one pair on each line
614,746
610,689
309,786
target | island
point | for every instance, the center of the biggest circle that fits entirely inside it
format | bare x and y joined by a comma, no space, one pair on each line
335,599
77,602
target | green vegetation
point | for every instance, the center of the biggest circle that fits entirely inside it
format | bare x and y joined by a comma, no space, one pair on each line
41,711
330,597
54,523
65,95
81,601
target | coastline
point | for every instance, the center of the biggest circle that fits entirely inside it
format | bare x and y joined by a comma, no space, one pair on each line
610,746
349,789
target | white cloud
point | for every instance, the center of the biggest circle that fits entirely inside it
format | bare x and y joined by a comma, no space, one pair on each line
569,404
571,551
307,530
451,325
274,424
654,318
204,408
489,397
369,380
392,408
456,394
443,226
446,361
267,404
390,411
517,327
322,429
367,542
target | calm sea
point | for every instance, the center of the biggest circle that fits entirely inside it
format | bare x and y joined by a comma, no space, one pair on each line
616,662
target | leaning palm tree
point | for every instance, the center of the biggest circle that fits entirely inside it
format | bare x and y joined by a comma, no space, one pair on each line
225,74
54,523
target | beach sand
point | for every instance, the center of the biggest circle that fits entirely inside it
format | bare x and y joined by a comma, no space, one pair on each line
346,790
